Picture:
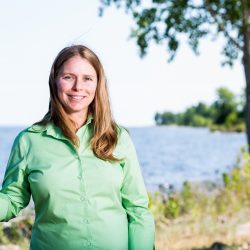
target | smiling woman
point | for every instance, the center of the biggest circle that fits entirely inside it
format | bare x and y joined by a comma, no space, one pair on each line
80,167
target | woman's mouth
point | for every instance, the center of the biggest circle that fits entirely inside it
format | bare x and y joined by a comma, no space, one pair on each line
76,97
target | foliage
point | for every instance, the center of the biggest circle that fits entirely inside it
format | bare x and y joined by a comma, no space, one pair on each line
172,208
225,106
167,22
3,238
225,113
18,232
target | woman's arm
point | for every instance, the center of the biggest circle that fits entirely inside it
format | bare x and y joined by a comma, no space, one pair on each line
135,200
15,193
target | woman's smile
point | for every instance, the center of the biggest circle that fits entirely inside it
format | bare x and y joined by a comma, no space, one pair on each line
76,97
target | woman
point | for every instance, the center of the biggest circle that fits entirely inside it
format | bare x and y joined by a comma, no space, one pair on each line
80,167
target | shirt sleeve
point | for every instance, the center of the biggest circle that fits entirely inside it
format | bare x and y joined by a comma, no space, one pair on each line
15,193
141,229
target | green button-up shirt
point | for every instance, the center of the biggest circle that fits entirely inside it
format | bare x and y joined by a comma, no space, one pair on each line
81,202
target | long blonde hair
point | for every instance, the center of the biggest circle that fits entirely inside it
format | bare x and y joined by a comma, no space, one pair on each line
105,130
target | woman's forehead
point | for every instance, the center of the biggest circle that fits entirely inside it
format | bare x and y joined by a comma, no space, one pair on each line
78,64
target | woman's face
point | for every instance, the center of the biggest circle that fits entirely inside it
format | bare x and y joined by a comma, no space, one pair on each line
76,85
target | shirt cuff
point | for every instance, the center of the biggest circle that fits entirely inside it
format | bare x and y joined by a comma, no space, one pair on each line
4,205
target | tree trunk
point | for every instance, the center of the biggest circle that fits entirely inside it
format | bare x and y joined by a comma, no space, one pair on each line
247,114
246,64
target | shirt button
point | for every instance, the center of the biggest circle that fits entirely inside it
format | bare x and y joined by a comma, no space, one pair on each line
82,198
86,221
79,177
88,243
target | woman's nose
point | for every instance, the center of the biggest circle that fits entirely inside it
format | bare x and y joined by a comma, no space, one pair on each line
78,84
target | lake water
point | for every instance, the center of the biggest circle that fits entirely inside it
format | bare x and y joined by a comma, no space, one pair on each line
168,155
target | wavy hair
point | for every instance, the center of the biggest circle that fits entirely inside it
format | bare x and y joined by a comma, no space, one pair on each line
105,130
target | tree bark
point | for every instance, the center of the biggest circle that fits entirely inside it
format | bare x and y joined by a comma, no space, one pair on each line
247,114
246,64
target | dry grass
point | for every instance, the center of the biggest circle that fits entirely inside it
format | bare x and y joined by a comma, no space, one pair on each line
189,233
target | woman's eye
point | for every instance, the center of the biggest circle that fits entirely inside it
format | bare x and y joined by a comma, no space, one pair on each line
67,77
88,78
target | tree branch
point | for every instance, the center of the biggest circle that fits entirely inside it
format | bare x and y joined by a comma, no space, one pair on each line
222,27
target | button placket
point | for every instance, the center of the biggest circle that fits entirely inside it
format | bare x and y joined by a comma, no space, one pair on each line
80,175
83,196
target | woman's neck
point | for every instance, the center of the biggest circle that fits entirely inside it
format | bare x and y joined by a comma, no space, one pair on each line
79,119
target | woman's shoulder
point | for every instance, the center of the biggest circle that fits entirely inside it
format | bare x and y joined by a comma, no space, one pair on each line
124,137
122,131
25,134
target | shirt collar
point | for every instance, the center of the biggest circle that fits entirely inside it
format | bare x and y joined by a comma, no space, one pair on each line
52,130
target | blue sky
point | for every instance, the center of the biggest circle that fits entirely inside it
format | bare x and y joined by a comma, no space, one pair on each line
33,32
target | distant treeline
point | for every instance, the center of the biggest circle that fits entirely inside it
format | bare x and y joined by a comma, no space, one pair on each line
226,113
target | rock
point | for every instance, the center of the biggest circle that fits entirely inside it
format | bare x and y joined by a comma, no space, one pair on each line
218,246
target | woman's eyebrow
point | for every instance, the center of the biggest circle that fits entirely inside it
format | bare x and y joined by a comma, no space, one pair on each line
88,75
71,73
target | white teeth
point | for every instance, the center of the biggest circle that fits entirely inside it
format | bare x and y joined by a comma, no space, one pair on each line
76,97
